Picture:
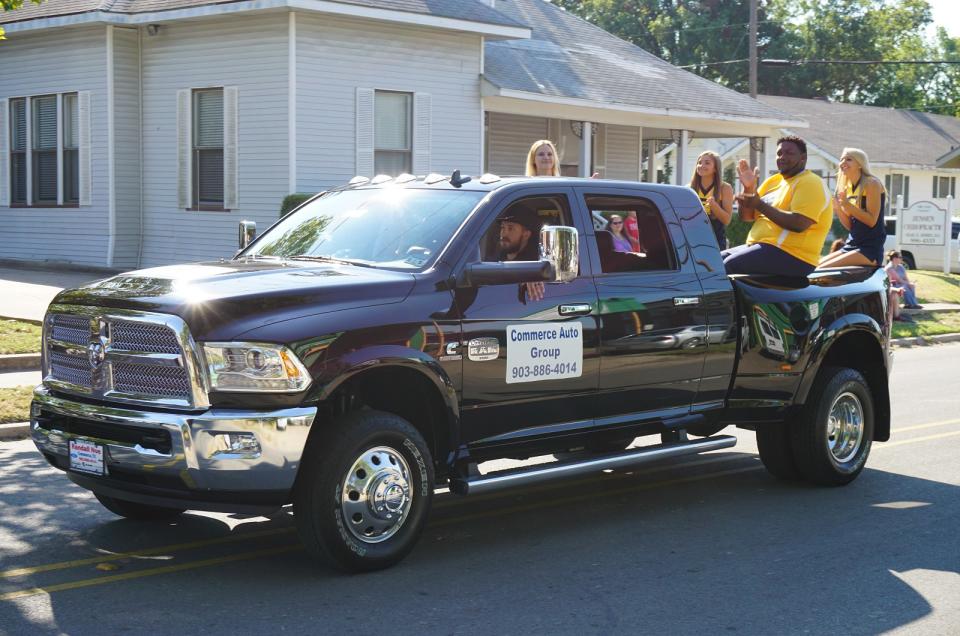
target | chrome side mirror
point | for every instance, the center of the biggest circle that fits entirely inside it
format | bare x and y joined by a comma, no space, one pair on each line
560,245
248,232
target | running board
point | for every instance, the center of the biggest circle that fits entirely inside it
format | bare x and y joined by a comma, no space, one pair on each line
548,472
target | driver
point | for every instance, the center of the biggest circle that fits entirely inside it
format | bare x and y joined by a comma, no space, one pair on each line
520,241
520,235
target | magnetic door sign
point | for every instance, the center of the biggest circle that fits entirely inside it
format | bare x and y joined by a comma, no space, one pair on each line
544,351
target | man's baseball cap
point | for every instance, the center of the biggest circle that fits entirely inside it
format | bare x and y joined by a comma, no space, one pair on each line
524,216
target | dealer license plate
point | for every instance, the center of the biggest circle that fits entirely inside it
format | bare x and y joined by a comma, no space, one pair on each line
86,457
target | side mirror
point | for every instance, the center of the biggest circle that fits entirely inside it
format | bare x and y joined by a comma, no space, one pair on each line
248,232
560,246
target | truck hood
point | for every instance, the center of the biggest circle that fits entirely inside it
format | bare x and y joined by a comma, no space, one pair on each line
220,300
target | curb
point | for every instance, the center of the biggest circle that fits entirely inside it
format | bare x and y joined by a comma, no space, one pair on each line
20,362
920,341
32,321
17,430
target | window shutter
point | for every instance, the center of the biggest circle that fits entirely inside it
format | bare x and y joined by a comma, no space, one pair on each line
4,155
365,123
422,142
184,147
230,156
935,184
83,128
953,187
906,191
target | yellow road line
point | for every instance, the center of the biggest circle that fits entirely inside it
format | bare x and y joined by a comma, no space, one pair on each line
917,439
33,591
138,553
920,426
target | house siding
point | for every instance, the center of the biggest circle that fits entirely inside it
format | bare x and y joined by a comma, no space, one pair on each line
68,60
243,51
623,153
126,147
509,138
336,56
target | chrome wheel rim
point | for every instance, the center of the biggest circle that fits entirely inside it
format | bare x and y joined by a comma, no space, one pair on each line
845,427
376,494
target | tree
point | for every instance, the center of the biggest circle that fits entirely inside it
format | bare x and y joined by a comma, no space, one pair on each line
10,5
701,33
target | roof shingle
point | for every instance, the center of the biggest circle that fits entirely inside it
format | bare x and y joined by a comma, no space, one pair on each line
887,135
569,57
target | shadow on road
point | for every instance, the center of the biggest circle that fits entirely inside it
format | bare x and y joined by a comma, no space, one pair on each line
698,547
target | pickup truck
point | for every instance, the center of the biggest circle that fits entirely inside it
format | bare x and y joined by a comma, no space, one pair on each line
377,344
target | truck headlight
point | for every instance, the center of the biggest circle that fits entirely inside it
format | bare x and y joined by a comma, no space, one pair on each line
254,367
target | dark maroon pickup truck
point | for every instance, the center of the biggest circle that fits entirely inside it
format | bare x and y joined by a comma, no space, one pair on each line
376,344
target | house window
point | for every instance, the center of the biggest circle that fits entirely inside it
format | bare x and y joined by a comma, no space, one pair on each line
393,123
71,149
208,148
944,187
44,138
898,184
41,130
18,151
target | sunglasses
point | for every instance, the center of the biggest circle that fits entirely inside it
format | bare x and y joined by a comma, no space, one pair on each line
616,222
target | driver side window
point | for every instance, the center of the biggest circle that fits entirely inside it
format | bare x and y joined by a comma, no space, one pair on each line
515,233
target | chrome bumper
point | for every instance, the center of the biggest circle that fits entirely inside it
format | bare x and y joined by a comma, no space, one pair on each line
193,461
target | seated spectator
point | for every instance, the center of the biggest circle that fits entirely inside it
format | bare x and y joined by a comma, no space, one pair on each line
791,215
897,274
621,242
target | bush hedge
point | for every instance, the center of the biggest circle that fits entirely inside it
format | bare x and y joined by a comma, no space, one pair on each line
293,200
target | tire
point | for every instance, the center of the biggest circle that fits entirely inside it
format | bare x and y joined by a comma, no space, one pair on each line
832,437
137,511
776,451
365,457
908,261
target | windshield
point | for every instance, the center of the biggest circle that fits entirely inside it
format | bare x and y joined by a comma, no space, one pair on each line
394,228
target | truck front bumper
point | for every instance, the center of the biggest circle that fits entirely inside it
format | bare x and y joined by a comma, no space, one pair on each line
226,460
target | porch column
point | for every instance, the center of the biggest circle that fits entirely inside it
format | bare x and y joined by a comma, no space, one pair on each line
652,161
639,154
682,156
586,148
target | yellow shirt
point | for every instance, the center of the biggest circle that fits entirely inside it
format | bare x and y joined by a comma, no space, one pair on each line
805,194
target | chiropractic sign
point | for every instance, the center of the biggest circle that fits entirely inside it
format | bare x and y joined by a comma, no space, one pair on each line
923,223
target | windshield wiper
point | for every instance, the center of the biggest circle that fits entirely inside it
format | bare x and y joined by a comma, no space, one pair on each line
331,259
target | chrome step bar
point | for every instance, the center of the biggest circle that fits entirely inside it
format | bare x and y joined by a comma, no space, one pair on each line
547,472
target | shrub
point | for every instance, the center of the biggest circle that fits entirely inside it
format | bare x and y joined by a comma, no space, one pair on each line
293,200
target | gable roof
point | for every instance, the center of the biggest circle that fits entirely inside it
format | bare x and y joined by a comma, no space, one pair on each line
569,57
472,11
887,135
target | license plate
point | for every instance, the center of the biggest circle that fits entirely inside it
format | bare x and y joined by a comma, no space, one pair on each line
86,457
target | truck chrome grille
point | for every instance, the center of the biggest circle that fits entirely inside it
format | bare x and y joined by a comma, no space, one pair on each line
144,379
72,329
123,356
133,336
72,369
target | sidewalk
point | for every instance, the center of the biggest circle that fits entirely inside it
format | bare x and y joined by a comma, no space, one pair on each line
27,292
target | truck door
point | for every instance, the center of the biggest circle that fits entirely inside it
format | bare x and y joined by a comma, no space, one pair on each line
653,331
529,365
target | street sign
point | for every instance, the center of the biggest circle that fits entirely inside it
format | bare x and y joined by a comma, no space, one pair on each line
924,223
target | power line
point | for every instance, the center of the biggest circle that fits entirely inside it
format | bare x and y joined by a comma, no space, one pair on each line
775,62
743,59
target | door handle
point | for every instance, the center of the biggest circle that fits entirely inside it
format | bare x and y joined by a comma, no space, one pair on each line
680,301
575,310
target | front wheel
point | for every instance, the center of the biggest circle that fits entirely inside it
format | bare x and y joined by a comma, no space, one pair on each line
832,437
137,511
364,491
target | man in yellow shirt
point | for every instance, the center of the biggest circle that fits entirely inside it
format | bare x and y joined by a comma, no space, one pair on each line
791,214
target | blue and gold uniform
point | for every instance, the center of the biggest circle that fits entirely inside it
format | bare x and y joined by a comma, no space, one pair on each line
863,238
719,229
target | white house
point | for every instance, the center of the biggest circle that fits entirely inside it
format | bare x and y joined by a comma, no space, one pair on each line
137,133
916,154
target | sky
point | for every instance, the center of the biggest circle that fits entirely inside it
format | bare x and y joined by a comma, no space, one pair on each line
946,13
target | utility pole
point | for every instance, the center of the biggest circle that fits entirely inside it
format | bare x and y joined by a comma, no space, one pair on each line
753,72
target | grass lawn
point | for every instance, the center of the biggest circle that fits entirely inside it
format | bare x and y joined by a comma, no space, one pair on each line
17,336
936,287
15,404
928,324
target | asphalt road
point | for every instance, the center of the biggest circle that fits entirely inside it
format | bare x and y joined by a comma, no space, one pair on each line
709,545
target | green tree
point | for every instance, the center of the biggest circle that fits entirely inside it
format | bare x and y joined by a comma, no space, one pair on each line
10,5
